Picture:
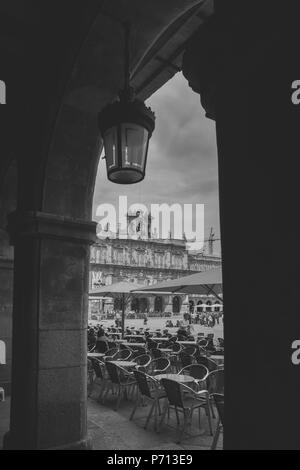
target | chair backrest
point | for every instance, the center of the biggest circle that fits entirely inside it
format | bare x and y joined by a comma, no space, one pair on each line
112,344
152,344
97,367
143,359
173,339
191,350
211,365
111,352
173,391
185,359
176,347
159,365
142,382
215,382
219,401
198,371
123,354
113,373
138,352
156,353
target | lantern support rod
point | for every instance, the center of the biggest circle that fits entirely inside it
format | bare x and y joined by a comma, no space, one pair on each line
127,30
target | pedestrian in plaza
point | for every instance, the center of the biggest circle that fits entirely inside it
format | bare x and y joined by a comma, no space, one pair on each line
118,319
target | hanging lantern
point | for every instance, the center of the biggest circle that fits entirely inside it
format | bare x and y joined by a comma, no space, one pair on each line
126,127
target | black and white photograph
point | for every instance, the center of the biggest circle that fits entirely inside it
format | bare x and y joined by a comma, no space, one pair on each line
149,199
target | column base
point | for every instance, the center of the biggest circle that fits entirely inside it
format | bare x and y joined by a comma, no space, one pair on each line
84,444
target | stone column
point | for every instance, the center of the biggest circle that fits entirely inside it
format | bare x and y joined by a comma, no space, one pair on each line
244,80
48,405
168,304
185,306
6,296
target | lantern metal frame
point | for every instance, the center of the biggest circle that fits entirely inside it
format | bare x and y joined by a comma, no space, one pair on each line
128,110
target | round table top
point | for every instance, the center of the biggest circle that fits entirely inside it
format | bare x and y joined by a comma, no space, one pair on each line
160,339
165,350
134,345
124,363
96,354
180,378
217,358
134,336
192,343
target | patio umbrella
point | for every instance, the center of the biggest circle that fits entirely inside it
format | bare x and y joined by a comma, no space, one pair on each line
205,282
120,290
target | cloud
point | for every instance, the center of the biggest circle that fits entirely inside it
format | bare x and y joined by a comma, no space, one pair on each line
182,158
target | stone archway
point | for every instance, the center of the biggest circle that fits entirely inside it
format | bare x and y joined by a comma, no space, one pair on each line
199,306
158,304
135,304
176,304
143,305
52,228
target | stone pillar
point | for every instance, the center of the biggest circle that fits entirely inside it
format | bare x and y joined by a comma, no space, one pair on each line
185,306
168,304
6,296
244,80
48,405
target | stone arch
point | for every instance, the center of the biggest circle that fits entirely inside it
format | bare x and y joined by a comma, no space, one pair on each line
158,304
143,304
117,303
135,305
52,229
176,304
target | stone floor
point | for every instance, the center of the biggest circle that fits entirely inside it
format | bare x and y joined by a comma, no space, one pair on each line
112,430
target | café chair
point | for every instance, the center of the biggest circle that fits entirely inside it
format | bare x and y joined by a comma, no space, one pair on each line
158,366
184,399
123,355
149,389
215,384
219,402
121,380
142,361
199,372
110,353
98,377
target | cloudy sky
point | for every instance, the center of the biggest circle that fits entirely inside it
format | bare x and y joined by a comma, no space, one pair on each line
182,158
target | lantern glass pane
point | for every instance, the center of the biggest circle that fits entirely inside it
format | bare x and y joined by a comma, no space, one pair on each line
111,148
134,146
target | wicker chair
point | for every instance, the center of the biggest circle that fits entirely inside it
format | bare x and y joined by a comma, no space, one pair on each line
120,379
158,366
149,389
184,399
219,402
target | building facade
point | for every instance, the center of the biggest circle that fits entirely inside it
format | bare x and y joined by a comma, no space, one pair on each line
146,262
